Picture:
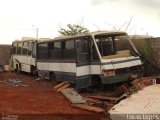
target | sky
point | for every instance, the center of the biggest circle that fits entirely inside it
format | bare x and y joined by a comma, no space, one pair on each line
21,18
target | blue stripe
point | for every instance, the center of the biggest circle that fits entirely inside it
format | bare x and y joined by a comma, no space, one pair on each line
122,61
107,63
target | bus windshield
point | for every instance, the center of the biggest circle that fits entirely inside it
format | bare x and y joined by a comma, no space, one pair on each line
114,46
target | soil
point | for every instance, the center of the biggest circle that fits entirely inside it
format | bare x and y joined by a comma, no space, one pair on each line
35,100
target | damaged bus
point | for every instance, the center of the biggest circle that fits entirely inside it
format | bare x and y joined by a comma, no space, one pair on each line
89,59
23,55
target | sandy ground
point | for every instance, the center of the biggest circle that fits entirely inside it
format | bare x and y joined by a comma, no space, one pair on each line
31,99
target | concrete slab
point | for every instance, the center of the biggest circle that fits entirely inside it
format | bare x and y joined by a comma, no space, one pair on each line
144,102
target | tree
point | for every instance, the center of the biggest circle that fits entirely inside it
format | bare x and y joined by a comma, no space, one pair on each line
73,30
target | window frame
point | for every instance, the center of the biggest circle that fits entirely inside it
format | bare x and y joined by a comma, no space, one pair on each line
43,53
69,54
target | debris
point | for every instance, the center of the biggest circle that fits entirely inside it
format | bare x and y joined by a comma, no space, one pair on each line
39,79
6,67
111,99
124,96
109,106
141,83
145,101
93,100
147,82
100,97
73,96
136,81
62,86
14,81
121,90
89,108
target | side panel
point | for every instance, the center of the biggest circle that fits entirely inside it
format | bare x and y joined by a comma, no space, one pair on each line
62,71
25,62
121,63
84,74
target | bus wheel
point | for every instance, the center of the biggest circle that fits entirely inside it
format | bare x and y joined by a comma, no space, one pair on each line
17,70
96,82
52,78
33,70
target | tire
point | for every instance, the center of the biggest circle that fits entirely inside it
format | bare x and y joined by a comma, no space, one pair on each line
96,82
33,70
17,70
52,78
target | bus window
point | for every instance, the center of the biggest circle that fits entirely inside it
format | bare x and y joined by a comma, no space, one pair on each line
19,48
25,48
106,45
55,50
14,48
68,51
43,50
30,46
34,52
82,49
113,46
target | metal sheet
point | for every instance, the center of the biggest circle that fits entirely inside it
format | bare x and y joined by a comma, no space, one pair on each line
73,96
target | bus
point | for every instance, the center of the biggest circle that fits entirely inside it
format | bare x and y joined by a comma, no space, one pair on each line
89,59
23,55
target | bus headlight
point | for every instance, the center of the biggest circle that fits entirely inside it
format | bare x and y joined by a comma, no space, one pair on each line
108,72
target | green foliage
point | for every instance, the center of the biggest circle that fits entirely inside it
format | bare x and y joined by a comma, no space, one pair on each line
145,50
73,30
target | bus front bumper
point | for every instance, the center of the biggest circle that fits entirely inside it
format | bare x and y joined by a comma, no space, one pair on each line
117,78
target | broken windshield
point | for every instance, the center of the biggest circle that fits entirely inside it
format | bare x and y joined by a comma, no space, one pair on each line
114,46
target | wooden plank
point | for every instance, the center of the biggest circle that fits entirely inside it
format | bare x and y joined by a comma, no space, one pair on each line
60,85
105,98
63,87
89,108
93,100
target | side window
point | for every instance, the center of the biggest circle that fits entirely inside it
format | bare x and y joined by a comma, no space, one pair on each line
14,48
54,50
94,53
30,46
108,46
34,50
43,50
83,49
19,48
25,48
68,50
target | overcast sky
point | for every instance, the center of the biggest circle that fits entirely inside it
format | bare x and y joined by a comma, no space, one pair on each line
19,18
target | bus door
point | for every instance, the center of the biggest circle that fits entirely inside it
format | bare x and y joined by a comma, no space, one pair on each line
83,62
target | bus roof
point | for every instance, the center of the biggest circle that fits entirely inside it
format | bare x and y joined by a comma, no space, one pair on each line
31,40
116,33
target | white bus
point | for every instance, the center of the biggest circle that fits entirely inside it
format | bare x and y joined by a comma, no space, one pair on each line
23,55
94,59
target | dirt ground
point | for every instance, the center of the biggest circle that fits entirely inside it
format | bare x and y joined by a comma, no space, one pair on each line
32,100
